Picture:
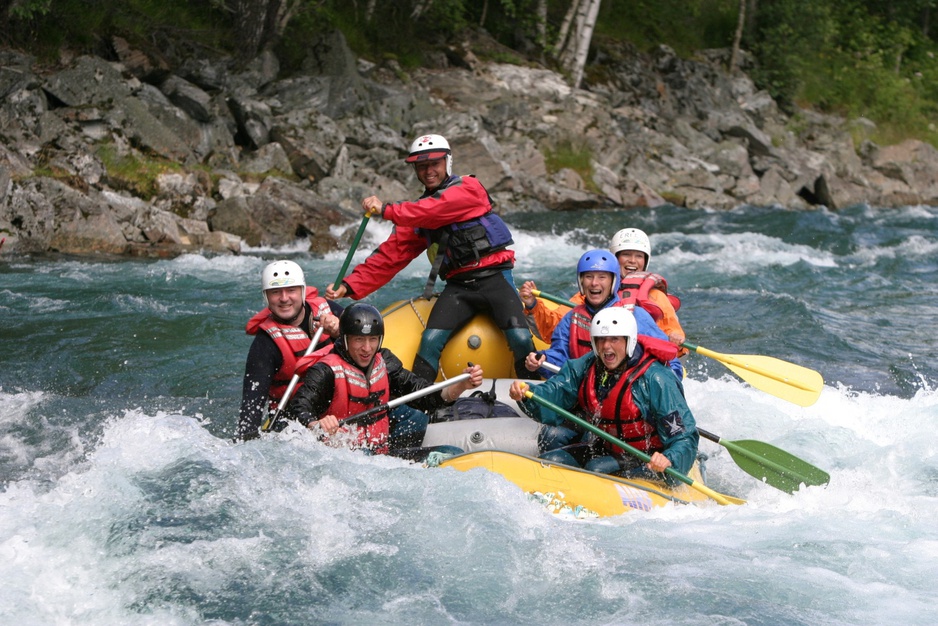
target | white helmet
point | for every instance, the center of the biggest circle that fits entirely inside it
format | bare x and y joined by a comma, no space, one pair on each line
614,321
429,148
281,274
631,239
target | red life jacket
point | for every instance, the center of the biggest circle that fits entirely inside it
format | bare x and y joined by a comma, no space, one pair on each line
618,414
636,286
356,392
291,340
305,362
579,340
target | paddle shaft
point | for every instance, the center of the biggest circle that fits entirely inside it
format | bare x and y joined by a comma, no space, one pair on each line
721,499
719,440
396,402
351,252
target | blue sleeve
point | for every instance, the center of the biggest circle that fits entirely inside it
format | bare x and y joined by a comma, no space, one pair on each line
646,324
678,368
558,352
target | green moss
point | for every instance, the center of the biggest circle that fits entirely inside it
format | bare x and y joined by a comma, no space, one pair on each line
889,134
567,154
574,155
134,173
672,197
259,177
500,56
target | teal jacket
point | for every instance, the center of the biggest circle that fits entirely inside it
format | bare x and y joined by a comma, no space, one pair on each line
656,393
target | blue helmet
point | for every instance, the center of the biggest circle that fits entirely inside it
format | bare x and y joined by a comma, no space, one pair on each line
599,261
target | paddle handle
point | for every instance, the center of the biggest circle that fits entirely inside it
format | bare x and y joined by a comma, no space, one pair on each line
708,435
631,450
555,299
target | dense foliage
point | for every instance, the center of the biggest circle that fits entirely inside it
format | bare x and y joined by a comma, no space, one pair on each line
873,58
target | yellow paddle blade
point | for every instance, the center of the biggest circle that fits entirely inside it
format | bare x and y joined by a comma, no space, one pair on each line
794,383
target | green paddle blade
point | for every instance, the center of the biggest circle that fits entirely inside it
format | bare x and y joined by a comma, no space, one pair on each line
774,466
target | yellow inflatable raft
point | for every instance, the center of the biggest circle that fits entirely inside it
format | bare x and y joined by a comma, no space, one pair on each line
585,494
503,444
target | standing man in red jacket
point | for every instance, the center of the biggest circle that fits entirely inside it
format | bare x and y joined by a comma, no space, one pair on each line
467,243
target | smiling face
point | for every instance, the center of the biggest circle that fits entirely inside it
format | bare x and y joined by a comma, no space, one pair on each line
612,351
285,302
596,287
431,173
631,261
362,348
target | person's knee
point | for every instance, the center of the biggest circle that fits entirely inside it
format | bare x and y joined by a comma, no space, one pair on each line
554,437
519,340
432,342
408,419
678,368
521,344
408,427
560,456
603,465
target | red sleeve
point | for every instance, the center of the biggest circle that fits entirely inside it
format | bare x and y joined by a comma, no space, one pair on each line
462,200
399,249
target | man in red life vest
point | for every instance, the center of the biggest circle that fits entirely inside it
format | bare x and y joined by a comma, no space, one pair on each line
291,318
357,374
625,388
467,243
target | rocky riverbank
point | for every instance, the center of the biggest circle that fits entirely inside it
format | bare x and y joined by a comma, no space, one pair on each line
133,155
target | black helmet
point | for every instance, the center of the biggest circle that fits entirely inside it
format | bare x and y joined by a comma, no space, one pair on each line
361,319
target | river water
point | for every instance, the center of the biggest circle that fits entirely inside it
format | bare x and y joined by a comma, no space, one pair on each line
124,500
